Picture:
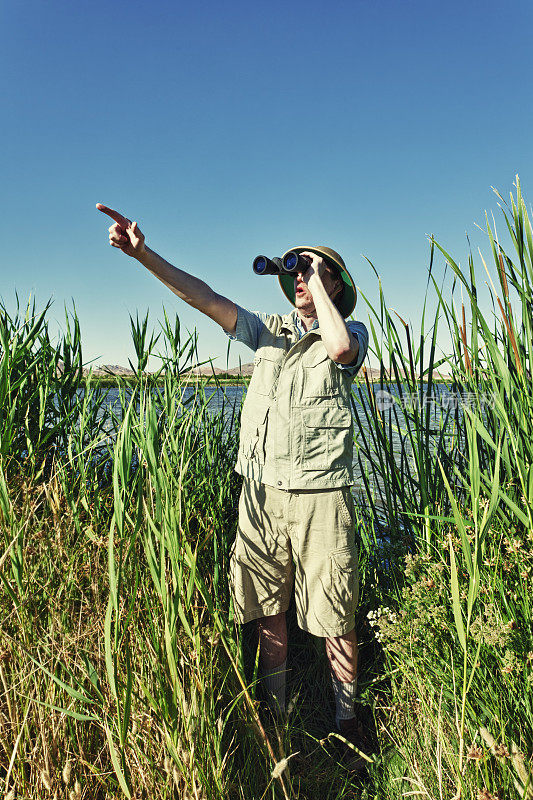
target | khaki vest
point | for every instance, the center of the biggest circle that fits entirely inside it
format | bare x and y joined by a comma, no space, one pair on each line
296,423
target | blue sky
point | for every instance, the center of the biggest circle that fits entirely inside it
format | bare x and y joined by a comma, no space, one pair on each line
232,129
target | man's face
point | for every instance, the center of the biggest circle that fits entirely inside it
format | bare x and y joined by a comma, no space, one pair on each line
303,297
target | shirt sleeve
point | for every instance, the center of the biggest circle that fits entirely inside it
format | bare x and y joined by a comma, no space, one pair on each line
360,331
250,325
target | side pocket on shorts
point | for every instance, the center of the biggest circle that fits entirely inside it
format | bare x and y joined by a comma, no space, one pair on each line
345,578
345,503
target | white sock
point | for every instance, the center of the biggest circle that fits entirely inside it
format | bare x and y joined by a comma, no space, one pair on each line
274,682
344,698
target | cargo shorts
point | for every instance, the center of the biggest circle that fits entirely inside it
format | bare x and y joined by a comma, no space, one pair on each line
305,539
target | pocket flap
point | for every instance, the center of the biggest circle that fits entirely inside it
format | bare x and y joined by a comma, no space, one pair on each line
317,358
267,354
345,557
255,410
327,417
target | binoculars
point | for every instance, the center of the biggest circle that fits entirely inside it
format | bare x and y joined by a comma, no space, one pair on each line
291,263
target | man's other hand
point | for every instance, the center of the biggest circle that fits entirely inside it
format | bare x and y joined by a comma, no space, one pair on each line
124,234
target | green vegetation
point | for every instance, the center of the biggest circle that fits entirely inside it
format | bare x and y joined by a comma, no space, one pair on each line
456,631
121,670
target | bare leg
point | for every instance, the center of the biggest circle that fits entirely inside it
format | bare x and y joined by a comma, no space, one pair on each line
272,641
272,655
342,655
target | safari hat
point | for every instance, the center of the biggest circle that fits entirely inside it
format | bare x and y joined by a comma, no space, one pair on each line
333,259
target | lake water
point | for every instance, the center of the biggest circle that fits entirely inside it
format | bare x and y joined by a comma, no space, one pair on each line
442,402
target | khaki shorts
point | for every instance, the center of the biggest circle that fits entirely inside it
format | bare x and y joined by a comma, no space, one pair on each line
305,538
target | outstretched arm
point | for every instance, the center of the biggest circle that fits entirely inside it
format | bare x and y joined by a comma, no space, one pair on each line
126,236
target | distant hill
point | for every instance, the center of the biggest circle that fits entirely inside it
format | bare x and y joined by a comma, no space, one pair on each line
202,370
103,370
244,370
209,369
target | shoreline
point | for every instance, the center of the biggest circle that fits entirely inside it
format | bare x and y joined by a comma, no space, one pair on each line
118,381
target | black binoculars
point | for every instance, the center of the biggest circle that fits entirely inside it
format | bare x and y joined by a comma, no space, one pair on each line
292,262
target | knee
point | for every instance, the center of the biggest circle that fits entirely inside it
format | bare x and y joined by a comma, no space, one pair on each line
272,640
349,637
343,656
342,648
275,624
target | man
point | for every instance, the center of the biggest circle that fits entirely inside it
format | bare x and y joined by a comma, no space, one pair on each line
296,517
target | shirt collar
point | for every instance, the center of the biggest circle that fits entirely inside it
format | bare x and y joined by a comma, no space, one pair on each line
300,328
292,321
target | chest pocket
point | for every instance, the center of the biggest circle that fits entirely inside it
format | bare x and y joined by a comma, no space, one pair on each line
321,378
267,366
265,376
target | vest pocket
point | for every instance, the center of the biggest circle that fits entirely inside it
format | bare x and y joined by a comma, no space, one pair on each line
326,440
253,432
320,379
265,375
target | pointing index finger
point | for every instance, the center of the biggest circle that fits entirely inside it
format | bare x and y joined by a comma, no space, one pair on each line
122,221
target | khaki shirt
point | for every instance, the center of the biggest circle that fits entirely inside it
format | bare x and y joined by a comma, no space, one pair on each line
296,423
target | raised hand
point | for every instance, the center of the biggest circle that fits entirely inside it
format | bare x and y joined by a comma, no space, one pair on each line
317,265
124,234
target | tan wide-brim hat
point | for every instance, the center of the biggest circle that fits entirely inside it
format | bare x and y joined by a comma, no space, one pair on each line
331,257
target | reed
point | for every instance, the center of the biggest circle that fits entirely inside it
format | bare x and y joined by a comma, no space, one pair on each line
122,672
120,666
458,641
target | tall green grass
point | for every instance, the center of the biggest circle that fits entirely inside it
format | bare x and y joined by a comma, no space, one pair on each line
121,667
121,670
459,638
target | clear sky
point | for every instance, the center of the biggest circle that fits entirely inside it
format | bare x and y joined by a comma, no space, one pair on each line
237,128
